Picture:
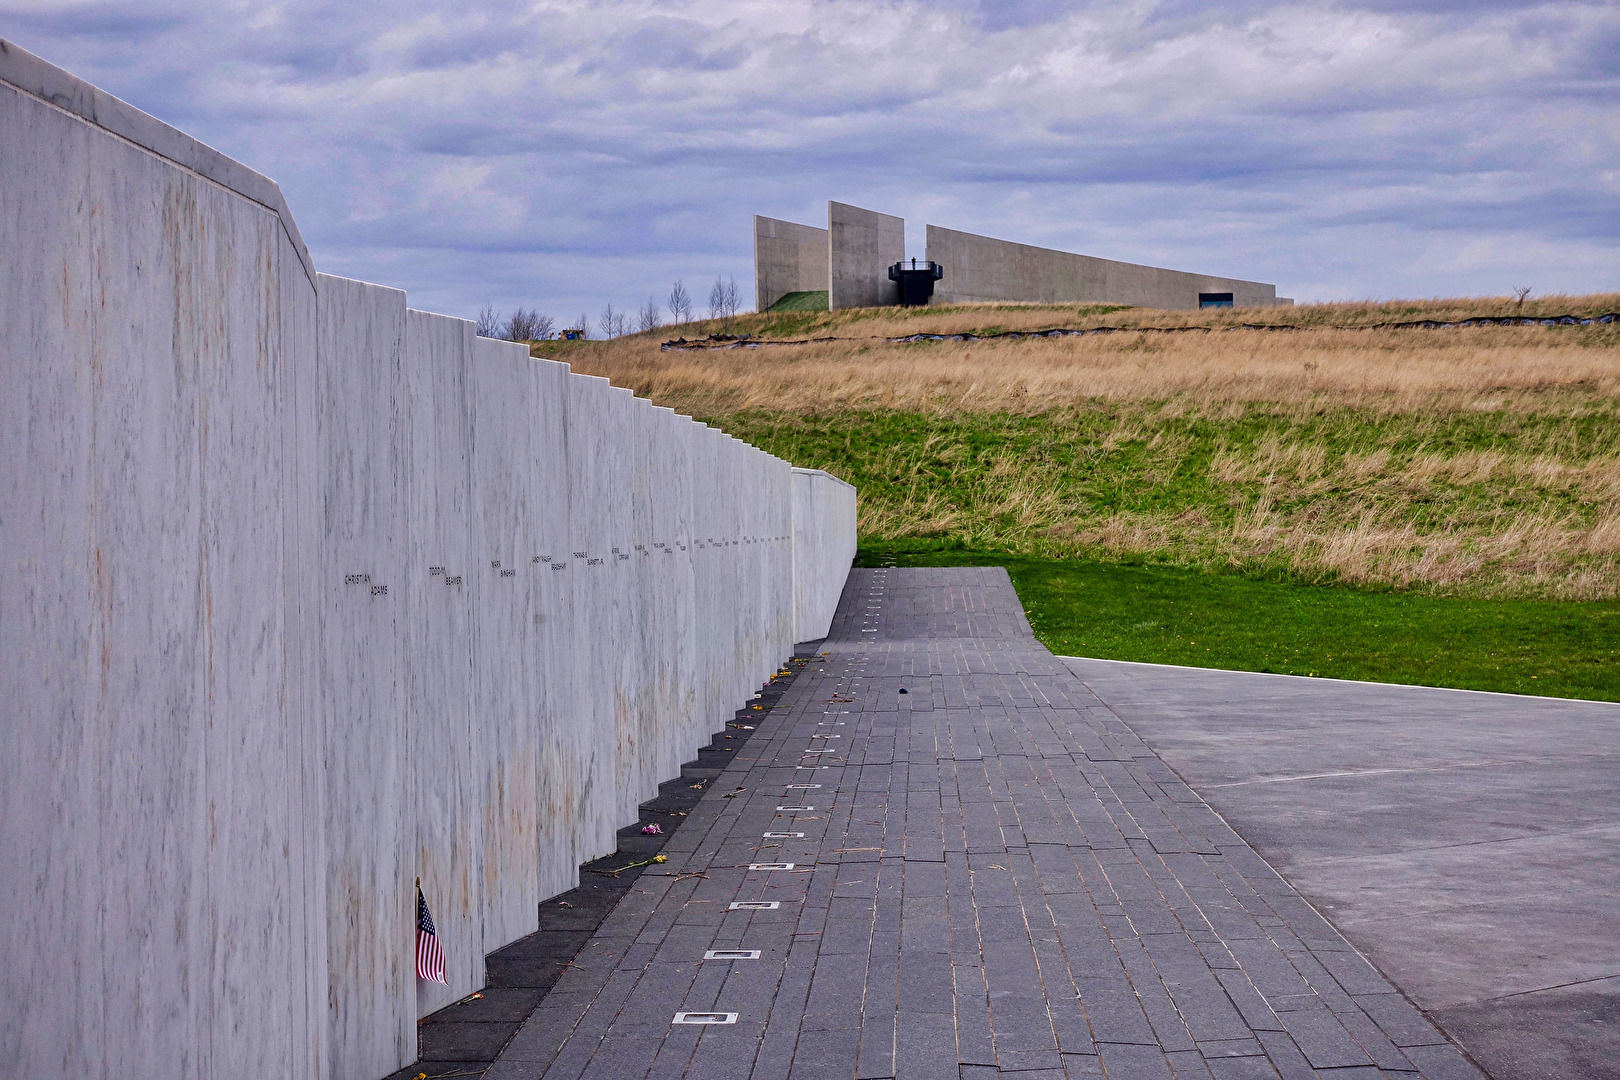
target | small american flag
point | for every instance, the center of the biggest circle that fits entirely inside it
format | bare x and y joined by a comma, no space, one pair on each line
429,957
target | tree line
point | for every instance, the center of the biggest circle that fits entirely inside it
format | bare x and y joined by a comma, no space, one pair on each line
525,324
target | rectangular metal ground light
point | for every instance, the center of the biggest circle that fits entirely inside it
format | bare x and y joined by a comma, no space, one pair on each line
705,1018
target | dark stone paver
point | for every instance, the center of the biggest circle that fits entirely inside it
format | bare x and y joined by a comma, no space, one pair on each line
998,878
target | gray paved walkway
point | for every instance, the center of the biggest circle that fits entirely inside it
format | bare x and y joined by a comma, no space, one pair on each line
989,874
1468,843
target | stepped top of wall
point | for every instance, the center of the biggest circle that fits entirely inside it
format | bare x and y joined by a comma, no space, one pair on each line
824,472
39,78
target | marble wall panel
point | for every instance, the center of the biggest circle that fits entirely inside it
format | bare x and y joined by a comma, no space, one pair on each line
779,553
632,714
357,599
441,592
591,445
651,613
561,765
709,588
506,711
671,561
823,548
307,840
154,762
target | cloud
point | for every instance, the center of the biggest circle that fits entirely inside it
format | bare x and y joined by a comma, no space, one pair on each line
562,154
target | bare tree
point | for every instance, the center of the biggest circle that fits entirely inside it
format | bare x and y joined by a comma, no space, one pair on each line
729,296
723,300
717,300
613,323
584,325
649,317
528,326
489,322
1521,292
680,302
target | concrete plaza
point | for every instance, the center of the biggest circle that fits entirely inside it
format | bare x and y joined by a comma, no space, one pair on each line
942,855
1469,844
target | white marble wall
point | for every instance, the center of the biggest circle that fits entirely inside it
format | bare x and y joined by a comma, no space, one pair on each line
359,594
305,595
158,838
823,549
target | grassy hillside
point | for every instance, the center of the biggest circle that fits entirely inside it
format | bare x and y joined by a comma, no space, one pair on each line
801,301
1479,462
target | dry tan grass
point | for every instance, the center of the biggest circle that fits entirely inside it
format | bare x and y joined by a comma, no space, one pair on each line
1391,370
1410,503
1537,552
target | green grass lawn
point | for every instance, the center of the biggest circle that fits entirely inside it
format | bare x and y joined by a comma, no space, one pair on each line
1178,615
801,301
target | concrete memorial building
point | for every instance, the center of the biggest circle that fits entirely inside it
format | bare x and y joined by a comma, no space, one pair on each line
857,262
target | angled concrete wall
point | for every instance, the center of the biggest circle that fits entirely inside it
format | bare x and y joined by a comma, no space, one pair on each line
306,595
980,268
862,245
787,258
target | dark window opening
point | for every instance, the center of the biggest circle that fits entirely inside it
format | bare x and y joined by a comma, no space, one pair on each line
1214,299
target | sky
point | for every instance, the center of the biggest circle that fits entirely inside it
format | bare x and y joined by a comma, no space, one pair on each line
562,156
